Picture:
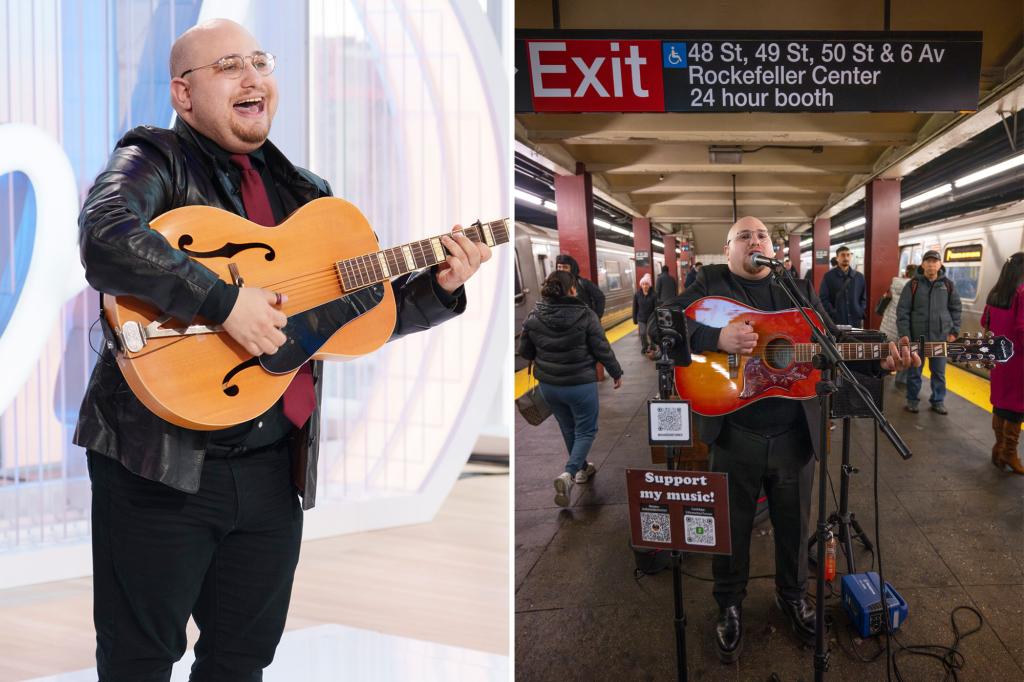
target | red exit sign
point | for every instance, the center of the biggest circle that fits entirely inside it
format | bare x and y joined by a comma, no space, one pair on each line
596,75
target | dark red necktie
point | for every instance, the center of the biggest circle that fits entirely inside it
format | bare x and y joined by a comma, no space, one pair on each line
300,397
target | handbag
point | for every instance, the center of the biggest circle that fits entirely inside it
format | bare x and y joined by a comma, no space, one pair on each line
532,405
883,303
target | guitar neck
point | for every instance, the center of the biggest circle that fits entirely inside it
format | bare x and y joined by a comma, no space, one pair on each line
368,269
870,351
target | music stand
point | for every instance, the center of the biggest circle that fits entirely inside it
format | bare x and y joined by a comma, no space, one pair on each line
675,350
827,361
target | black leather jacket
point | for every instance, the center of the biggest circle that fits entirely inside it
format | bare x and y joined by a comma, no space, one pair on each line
151,171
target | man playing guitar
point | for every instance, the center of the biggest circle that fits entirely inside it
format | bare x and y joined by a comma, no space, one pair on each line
767,444
208,523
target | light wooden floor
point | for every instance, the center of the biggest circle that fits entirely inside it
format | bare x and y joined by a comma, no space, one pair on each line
445,581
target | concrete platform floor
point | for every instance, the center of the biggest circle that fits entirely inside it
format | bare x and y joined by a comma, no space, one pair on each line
952,534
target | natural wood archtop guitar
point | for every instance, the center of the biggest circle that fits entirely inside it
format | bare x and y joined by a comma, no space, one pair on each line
340,305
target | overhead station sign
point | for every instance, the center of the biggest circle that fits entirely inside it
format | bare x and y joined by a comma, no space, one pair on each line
717,71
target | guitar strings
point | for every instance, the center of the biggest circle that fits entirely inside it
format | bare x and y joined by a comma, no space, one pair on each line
421,250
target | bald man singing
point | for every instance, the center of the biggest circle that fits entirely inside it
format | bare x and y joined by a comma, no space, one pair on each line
767,444
200,523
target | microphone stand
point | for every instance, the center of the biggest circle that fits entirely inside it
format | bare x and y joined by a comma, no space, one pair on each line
829,360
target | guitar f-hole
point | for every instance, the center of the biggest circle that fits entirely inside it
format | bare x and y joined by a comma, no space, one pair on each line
232,390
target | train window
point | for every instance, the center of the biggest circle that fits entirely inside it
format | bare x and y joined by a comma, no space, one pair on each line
910,253
613,274
519,281
963,268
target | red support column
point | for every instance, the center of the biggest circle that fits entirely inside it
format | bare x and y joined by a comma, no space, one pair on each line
642,248
881,242
670,258
794,252
821,255
574,196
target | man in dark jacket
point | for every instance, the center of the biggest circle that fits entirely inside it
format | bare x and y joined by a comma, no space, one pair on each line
843,291
207,523
768,443
586,291
665,289
691,276
929,307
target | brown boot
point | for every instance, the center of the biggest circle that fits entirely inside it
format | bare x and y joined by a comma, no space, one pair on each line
997,449
1011,437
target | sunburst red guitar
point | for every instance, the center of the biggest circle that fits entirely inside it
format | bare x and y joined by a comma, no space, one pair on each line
780,366
340,305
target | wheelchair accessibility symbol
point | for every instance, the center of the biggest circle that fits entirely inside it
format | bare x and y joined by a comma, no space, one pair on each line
674,55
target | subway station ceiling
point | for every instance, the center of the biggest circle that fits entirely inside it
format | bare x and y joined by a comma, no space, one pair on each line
794,166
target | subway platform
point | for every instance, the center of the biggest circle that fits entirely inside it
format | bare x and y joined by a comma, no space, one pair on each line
951,535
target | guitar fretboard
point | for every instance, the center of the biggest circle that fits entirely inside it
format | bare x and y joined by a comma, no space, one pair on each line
363,271
868,351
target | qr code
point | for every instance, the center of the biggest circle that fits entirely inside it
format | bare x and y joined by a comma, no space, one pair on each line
654,527
699,530
670,419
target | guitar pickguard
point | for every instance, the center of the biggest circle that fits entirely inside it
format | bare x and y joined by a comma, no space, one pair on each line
758,378
307,332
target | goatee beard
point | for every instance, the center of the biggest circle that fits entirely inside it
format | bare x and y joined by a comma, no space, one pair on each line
252,134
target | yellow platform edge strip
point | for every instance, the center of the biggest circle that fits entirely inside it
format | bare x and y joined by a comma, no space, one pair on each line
524,383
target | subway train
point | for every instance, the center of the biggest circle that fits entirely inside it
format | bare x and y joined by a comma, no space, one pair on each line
974,247
536,248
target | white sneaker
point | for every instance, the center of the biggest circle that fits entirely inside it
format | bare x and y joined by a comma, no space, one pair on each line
584,474
563,484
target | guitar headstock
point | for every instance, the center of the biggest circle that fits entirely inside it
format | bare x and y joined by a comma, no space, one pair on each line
983,347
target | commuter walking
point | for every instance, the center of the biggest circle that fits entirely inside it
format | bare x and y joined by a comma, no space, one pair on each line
843,291
564,339
929,307
1004,316
644,302
888,325
666,288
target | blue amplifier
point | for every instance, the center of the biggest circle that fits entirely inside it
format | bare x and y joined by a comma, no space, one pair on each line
863,604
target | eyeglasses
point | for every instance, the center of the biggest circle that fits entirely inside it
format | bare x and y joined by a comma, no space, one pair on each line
746,236
233,65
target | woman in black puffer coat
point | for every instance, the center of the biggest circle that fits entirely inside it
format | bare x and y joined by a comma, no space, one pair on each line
564,340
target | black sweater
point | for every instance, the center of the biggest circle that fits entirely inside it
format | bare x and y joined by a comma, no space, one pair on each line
564,339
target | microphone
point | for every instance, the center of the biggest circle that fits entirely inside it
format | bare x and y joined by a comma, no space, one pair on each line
758,260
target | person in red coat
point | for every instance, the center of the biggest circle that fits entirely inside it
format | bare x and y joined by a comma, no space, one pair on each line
1004,316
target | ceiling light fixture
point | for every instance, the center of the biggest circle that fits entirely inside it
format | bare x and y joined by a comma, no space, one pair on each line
988,171
528,198
925,196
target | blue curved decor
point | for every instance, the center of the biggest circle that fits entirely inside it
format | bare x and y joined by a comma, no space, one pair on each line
17,235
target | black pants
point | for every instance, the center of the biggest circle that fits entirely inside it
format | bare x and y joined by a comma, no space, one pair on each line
225,555
785,467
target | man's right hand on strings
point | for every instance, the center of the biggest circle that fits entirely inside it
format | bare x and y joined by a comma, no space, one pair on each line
737,337
255,322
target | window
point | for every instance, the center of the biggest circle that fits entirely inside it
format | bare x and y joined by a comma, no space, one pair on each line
911,253
963,268
614,275
519,296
